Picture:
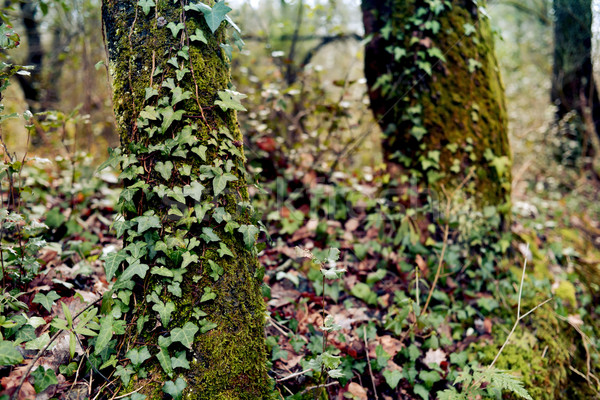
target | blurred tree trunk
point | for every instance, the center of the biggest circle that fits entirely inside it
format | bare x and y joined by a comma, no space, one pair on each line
437,94
35,54
573,88
177,138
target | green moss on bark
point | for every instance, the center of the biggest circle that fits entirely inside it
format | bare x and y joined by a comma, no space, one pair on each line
440,76
228,361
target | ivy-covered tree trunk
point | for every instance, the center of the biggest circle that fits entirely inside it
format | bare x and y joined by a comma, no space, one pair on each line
573,88
188,279
436,92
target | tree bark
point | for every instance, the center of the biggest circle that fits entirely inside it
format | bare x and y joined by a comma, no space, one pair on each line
437,94
35,54
229,360
573,87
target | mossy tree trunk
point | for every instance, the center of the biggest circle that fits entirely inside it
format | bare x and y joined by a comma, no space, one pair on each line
573,88
436,92
189,240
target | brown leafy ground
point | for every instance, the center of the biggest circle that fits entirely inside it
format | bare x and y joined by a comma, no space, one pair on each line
372,303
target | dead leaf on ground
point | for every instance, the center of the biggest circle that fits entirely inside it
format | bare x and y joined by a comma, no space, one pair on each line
358,392
434,357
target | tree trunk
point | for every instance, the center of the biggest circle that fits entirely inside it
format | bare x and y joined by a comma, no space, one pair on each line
185,205
35,53
436,91
573,88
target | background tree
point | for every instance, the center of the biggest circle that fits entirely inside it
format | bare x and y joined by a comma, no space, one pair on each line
436,91
573,89
190,245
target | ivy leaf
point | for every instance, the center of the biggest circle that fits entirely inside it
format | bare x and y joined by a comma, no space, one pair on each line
136,268
194,190
418,132
175,289
228,50
180,361
105,334
224,250
137,357
392,377
175,390
112,262
221,215
169,84
175,28
177,194
46,300
180,95
146,5
43,378
209,235
162,271
189,258
150,92
233,25
146,222
185,335
421,391
216,270
249,232
469,29
164,169
198,36
137,251
213,16
180,73
69,369
201,209
165,360
150,112
230,100
206,325
125,374
201,151
9,355
169,116
220,182
165,311
208,295
38,343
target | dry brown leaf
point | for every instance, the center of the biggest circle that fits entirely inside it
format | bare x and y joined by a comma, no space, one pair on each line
434,357
421,263
352,224
390,345
358,392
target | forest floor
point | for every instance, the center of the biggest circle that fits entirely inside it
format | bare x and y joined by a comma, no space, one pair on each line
380,342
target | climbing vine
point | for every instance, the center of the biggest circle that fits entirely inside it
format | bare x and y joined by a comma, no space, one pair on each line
188,228
436,92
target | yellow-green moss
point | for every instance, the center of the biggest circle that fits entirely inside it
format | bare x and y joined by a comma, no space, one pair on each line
566,292
540,353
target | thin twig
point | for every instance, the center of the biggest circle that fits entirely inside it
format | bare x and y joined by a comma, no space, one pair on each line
519,318
446,234
130,393
369,362
295,374
308,389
